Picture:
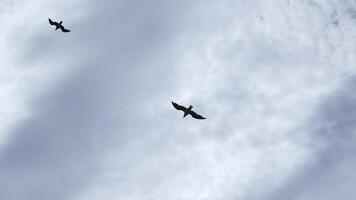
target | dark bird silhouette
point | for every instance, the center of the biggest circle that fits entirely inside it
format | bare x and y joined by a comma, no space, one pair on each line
187,111
58,25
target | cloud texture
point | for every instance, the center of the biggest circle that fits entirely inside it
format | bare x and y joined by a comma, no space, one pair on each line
87,115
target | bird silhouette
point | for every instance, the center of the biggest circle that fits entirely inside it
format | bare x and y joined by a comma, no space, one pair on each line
58,25
187,111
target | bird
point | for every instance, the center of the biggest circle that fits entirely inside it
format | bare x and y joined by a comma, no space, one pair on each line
187,111
58,25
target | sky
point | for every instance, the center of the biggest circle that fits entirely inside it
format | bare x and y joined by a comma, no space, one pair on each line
87,115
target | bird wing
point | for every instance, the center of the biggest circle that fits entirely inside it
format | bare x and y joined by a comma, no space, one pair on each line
65,30
195,115
178,107
50,21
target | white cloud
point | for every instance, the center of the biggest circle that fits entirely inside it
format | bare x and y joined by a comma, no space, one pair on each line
258,70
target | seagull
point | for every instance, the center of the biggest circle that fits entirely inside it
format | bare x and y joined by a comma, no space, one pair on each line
58,25
187,111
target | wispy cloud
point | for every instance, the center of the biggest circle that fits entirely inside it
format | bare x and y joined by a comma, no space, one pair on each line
99,121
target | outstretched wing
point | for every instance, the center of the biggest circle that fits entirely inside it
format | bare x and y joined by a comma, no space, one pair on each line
178,107
195,115
65,30
50,21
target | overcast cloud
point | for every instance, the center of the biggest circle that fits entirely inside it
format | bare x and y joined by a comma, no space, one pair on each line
86,115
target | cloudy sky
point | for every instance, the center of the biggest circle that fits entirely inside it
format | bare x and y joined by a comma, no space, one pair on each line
86,115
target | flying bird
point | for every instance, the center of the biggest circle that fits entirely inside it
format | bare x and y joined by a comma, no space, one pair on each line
58,25
187,111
